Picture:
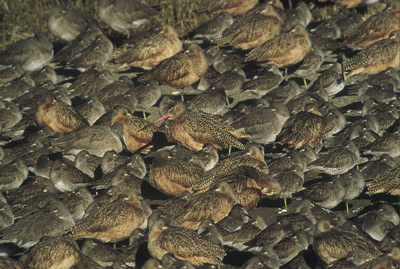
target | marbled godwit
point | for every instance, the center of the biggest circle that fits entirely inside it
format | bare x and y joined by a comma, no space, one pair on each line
173,176
333,243
253,29
114,221
135,139
124,16
283,50
152,50
376,27
387,182
184,243
235,7
194,129
195,210
304,128
181,70
253,157
376,57
60,117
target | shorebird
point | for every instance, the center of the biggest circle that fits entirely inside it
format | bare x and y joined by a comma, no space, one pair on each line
376,57
283,50
194,129
181,70
124,15
60,117
148,52
235,7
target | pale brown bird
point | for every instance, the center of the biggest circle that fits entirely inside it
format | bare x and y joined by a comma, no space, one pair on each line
184,243
194,129
376,27
253,29
376,57
181,70
304,128
214,204
252,157
283,50
233,7
114,221
173,176
152,50
60,117
387,182
138,133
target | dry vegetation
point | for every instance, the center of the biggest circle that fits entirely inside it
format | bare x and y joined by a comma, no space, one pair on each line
20,18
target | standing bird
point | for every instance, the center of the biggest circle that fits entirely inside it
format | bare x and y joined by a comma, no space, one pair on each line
181,70
376,57
283,50
194,129
124,15
148,52
184,243
304,128
60,117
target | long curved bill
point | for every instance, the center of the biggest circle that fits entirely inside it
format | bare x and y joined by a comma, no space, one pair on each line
154,122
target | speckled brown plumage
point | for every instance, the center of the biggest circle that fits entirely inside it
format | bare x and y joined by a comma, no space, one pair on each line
184,243
135,138
252,29
173,176
283,50
233,7
214,204
150,51
60,117
333,243
376,57
304,128
376,27
181,70
112,222
387,182
253,157
194,129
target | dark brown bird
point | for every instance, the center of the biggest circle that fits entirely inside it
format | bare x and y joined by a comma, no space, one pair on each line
304,128
333,243
252,29
138,133
387,182
283,50
184,243
376,57
194,129
114,221
235,7
214,204
173,176
60,117
181,70
150,51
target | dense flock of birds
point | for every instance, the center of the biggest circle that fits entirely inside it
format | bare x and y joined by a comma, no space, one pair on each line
279,148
